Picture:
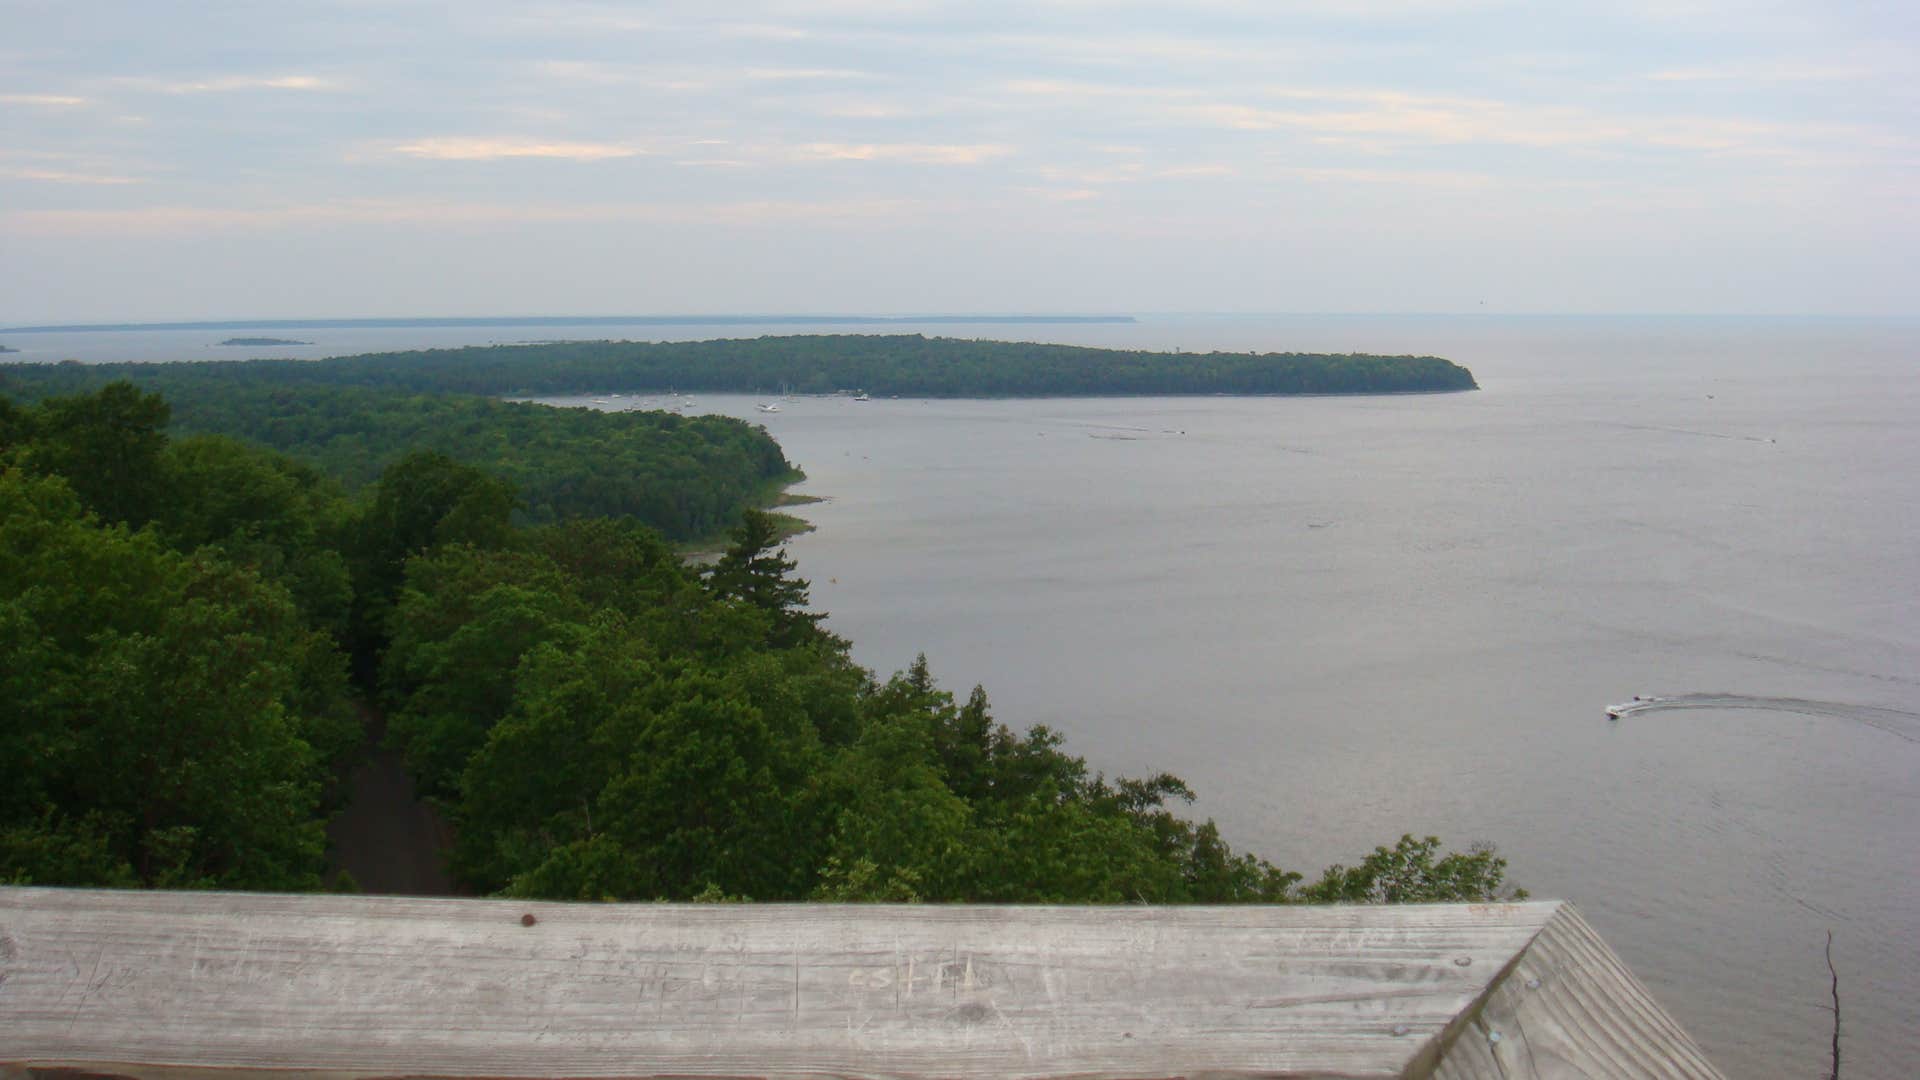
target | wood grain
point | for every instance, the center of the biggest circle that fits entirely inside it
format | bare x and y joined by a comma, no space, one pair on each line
1570,1008
165,985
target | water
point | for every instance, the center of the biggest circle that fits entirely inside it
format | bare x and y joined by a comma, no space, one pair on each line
1346,618
154,346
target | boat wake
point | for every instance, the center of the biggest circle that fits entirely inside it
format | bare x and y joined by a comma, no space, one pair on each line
1692,431
1904,725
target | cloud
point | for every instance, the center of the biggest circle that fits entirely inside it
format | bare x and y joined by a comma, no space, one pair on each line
47,101
1178,171
469,148
1338,9
1429,178
1113,174
495,148
767,31
1425,119
1132,50
169,220
863,110
1064,194
810,74
231,83
1765,72
1079,91
915,153
585,71
57,176
1391,115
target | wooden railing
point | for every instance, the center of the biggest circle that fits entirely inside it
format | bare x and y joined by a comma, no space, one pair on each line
172,985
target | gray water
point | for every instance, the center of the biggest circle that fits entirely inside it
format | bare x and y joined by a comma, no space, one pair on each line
318,342
1342,619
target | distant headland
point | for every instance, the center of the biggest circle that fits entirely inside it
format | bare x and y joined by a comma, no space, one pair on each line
898,365
263,341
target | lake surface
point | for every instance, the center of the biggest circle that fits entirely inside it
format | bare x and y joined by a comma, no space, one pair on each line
1346,618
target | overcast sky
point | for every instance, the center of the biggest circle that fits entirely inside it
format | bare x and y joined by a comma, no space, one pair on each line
163,160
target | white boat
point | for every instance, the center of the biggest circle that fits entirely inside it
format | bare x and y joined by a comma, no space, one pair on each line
768,407
862,396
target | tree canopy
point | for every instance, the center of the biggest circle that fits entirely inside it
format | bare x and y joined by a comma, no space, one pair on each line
687,476
598,719
897,364
165,717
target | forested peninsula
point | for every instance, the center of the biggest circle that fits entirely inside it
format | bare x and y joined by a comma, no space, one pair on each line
198,635
687,476
883,364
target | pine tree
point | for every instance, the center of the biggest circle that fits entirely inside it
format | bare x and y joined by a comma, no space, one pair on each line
757,571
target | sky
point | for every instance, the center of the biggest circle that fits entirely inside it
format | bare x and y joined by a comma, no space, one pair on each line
297,158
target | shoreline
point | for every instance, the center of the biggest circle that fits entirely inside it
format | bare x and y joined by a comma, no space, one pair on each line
709,548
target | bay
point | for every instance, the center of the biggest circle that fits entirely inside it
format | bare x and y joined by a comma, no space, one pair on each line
1345,618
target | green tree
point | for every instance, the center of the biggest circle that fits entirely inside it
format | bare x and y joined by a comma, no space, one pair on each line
898,831
622,773
458,631
422,501
155,709
1409,873
16,426
264,511
755,570
107,445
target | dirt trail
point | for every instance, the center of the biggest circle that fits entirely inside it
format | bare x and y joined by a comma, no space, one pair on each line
389,840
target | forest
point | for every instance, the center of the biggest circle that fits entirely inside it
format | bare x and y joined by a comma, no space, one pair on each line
882,364
686,476
196,631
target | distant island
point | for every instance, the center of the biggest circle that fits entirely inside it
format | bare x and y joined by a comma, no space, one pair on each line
882,364
904,365
5,349
256,341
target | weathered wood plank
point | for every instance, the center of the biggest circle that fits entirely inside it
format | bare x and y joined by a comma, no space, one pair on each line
151,984
1569,1008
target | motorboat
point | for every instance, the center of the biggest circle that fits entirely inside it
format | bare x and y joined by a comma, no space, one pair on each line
1640,701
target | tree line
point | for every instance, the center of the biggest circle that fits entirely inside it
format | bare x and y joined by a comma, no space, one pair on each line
687,476
885,364
193,630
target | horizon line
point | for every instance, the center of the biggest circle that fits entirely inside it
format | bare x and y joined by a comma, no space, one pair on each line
955,318
438,321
